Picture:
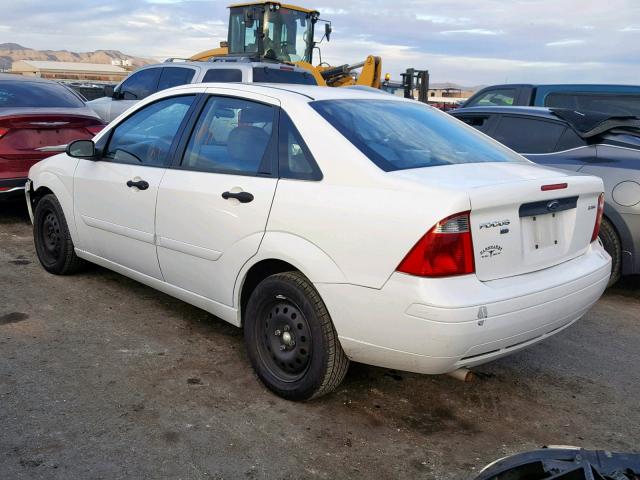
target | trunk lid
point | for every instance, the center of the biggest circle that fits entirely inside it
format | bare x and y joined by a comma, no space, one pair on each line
517,226
25,134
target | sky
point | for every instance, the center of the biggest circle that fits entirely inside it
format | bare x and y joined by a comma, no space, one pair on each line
469,42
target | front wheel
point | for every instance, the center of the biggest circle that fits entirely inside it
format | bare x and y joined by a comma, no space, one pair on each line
52,239
290,338
611,244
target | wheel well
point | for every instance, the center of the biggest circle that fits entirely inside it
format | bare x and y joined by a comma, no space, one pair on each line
38,194
257,273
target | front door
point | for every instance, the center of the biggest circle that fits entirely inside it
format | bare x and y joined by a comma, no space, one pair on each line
213,208
115,197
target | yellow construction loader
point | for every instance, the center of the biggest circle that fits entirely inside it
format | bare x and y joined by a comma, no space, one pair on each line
275,32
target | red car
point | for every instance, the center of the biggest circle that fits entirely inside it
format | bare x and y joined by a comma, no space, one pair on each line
36,116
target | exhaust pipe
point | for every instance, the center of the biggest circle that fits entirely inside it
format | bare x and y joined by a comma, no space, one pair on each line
462,374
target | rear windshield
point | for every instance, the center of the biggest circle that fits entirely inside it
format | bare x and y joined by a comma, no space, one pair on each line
610,104
276,75
398,135
36,94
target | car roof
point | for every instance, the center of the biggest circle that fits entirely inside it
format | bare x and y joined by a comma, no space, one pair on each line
543,112
310,92
22,78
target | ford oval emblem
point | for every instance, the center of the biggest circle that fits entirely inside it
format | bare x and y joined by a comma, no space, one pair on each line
553,205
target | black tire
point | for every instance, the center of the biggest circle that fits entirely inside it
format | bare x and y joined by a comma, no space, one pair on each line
611,244
290,338
54,246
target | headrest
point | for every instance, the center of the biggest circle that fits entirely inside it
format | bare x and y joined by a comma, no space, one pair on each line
257,114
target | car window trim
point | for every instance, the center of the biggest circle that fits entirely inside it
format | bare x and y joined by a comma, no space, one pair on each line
187,132
316,174
103,144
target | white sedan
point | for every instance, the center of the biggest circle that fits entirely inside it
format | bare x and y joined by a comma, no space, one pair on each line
331,224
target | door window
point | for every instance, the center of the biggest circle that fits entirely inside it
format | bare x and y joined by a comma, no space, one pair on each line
174,76
223,75
296,160
231,136
141,84
503,97
145,137
528,135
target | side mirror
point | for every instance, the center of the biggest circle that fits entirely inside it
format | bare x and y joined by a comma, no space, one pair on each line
327,31
109,90
82,149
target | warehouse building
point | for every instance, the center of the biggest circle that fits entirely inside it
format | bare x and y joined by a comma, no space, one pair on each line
70,71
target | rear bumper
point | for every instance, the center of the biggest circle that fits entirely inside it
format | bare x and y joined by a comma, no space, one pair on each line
439,325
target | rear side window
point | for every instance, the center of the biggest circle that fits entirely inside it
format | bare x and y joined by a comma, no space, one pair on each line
232,136
620,105
145,137
174,76
568,140
277,75
141,84
504,97
17,94
528,135
296,160
223,75
397,135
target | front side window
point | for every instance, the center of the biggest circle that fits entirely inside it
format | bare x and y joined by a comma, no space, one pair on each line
174,76
499,98
140,84
231,136
528,135
145,137
398,135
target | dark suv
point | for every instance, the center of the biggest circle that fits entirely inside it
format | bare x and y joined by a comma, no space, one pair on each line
609,99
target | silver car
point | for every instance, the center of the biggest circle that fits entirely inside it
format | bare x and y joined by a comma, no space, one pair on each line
154,78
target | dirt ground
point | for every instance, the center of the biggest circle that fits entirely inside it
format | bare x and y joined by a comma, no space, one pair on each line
104,378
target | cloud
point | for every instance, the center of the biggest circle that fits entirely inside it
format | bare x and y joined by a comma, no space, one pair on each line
565,43
465,41
473,31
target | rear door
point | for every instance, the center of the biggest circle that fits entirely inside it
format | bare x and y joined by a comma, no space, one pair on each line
115,196
214,204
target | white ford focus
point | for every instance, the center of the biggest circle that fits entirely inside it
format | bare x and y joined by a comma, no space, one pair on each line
332,224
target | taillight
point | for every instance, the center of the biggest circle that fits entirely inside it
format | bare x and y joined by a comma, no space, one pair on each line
596,227
445,250
94,129
3,131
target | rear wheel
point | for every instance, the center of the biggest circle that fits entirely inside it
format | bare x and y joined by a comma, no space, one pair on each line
52,239
611,244
290,338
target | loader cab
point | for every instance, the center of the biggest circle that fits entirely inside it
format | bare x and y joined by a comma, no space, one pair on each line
272,31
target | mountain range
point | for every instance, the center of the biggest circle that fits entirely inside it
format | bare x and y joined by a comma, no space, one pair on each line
11,52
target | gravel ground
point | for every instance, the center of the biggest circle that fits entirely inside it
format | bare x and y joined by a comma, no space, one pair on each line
104,378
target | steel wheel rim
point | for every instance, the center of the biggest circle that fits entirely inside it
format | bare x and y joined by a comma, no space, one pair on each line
50,237
284,339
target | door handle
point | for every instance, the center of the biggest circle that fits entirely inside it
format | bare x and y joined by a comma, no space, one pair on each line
242,197
140,184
